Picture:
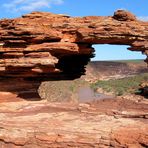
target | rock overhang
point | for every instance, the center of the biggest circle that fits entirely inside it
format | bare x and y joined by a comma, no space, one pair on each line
43,44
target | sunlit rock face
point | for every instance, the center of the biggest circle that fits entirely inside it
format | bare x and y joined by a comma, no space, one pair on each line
56,46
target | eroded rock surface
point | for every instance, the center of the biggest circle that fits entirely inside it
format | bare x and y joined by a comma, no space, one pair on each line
45,44
103,124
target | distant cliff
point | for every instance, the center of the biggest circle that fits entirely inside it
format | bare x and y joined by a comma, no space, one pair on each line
104,70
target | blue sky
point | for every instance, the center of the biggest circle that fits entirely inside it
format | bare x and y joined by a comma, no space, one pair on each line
15,8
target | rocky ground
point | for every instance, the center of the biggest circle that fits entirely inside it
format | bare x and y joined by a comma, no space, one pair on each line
26,121
120,122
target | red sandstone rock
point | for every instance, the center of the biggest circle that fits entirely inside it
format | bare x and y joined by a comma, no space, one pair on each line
62,36
52,125
122,15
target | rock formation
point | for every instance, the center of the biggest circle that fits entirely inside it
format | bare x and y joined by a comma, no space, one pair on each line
43,44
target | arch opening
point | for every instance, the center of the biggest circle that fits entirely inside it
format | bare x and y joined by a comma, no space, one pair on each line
107,52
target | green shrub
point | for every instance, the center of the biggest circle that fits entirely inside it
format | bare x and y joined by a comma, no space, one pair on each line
121,86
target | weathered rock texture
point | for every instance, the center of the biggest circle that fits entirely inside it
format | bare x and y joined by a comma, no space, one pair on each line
109,123
43,44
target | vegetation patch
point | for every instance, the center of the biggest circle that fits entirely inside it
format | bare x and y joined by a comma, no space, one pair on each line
128,85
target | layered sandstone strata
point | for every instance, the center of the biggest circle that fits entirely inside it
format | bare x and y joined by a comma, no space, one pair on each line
109,123
43,44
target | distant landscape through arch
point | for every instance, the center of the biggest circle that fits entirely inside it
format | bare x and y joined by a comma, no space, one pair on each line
107,52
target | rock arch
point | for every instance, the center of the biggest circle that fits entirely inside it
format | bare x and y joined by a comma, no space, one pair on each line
40,43
55,46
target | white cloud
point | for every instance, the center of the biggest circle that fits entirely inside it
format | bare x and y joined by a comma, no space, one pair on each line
143,18
30,5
